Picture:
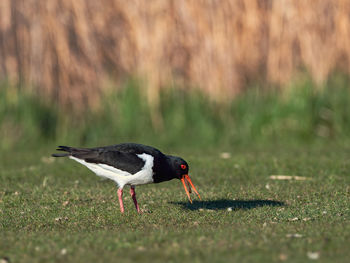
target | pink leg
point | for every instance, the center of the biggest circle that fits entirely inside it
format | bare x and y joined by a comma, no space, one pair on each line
133,195
120,196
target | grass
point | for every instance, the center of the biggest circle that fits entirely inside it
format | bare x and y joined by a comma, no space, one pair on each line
57,211
53,210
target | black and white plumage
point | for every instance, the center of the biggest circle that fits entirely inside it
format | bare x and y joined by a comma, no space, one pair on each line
130,164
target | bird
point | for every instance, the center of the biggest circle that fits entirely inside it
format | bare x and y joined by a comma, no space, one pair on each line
131,164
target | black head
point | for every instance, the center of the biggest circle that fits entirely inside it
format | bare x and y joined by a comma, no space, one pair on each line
179,166
180,169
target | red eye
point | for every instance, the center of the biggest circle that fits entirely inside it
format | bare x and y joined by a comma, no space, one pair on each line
183,167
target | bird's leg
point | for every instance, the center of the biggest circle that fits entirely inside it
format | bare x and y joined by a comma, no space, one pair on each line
120,196
133,195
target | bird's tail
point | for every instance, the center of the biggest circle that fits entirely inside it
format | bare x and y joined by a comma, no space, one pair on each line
66,149
72,151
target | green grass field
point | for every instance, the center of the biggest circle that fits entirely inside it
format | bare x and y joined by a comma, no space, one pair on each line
54,210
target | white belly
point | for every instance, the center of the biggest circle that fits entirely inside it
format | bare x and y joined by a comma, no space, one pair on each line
122,178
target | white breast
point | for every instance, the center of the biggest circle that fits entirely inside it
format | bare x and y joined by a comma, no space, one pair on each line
122,178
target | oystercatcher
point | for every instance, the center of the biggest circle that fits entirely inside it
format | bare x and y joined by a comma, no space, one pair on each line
131,164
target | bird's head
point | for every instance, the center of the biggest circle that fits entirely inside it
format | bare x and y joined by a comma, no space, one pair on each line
180,168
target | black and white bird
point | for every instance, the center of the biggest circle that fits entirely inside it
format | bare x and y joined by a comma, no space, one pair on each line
131,164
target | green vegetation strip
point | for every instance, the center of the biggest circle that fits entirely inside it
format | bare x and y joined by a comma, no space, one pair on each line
299,113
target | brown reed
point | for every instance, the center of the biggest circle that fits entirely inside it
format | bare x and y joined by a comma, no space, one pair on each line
66,49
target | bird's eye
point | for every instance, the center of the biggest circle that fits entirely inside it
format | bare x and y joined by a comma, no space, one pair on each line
183,167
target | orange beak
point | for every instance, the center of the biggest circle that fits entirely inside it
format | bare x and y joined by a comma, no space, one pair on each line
187,179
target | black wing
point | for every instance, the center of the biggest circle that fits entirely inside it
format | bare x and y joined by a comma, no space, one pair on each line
134,148
161,169
123,160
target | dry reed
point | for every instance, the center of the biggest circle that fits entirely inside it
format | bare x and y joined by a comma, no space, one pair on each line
67,48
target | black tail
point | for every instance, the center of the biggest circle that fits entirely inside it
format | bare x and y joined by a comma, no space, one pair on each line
76,152
64,149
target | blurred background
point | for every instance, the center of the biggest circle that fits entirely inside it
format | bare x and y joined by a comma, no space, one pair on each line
177,73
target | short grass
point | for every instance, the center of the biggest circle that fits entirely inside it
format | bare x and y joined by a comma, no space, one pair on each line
57,211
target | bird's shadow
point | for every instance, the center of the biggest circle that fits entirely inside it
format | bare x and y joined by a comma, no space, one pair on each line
221,204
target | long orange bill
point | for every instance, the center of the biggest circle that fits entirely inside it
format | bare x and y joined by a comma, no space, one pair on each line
188,194
188,179
189,187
